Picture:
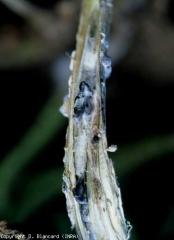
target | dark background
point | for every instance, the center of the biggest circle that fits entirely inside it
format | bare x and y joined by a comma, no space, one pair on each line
34,70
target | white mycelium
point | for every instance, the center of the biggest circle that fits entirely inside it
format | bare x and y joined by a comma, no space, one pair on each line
93,197
106,67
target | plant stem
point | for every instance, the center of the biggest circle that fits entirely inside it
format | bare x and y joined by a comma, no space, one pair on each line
93,198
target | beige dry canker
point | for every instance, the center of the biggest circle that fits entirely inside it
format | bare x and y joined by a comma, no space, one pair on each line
93,197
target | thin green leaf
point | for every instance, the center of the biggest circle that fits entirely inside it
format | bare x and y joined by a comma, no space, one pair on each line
40,190
46,126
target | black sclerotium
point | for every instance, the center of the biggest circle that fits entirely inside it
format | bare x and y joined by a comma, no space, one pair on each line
79,106
79,192
83,103
95,139
84,87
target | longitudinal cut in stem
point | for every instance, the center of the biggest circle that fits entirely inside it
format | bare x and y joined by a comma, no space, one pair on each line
93,198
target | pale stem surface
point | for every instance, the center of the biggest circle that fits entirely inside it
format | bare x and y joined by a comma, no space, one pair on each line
93,197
